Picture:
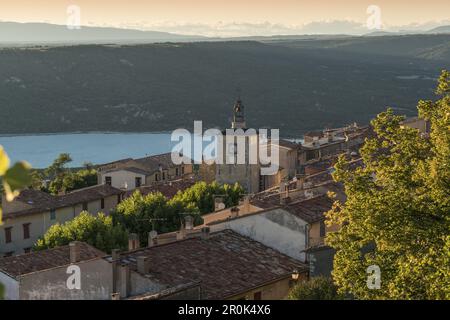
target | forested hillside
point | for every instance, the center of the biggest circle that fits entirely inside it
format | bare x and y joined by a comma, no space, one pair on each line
158,87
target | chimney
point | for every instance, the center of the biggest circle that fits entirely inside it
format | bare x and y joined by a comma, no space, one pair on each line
152,238
114,258
234,212
205,233
189,222
246,205
133,242
181,234
143,264
74,248
282,186
301,181
115,296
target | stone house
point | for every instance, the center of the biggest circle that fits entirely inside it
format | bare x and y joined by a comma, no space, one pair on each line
33,212
44,275
129,174
221,265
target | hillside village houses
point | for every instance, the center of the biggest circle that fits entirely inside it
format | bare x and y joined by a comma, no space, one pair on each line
33,212
129,174
256,250
235,267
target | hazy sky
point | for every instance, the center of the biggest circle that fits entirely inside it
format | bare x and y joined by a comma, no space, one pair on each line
169,13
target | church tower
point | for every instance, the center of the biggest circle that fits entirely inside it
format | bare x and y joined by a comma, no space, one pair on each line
238,116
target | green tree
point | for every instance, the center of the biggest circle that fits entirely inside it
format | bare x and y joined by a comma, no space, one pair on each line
317,288
97,231
79,179
200,196
141,214
64,179
57,172
396,215
13,178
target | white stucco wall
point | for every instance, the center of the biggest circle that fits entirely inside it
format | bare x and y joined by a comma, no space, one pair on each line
41,222
276,229
11,287
96,283
121,177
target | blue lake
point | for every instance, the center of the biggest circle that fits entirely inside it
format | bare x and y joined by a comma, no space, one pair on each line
41,150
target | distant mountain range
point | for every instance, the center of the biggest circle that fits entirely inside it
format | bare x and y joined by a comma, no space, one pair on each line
13,33
38,33
440,30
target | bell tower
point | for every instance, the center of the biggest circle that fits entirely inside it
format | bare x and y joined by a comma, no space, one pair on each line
238,116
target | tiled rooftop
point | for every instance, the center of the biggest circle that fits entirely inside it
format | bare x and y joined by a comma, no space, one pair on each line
47,259
311,210
226,264
147,165
41,201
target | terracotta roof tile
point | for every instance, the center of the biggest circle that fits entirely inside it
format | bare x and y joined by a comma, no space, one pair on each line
226,264
42,202
47,259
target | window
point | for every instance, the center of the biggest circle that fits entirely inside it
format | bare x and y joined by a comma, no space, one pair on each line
27,250
102,203
118,199
8,232
85,206
52,214
177,172
182,170
8,254
138,182
322,229
26,230
156,177
164,176
257,295
108,181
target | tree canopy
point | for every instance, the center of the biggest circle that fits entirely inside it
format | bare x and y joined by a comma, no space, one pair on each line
63,179
141,214
98,231
317,288
397,212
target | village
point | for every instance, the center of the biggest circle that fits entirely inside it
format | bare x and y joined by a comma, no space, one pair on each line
258,248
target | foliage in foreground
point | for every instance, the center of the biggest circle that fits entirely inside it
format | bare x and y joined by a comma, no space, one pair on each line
97,231
397,213
317,288
13,178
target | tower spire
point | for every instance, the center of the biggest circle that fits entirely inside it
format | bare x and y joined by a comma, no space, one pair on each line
238,115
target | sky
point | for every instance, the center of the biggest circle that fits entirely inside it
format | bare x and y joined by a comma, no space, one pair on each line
230,16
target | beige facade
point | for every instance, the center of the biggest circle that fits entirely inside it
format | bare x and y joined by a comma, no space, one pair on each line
123,179
131,178
38,223
277,290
